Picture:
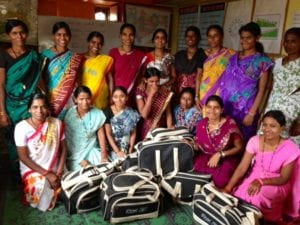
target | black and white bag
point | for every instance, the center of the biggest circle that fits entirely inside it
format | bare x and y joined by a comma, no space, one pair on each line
165,155
130,195
214,207
130,162
81,189
183,186
161,132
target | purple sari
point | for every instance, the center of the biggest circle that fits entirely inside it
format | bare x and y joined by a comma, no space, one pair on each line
212,142
238,87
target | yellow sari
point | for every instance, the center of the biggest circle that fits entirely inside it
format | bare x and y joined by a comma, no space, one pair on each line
213,68
94,77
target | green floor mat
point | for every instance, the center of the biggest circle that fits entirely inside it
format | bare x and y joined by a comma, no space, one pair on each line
15,213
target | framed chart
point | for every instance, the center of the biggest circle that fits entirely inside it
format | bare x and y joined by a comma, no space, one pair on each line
147,20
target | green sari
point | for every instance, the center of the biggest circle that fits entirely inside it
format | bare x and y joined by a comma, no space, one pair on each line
21,82
22,79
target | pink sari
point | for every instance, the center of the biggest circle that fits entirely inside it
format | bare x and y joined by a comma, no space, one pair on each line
210,143
43,148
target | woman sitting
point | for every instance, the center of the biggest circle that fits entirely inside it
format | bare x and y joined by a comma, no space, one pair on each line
84,130
42,153
220,141
152,101
267,184
120,124
187,114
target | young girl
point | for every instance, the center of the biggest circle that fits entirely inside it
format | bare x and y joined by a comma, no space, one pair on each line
120,124
187,114
85,131
153,103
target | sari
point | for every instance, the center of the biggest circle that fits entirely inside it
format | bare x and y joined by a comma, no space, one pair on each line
238,87
216,141
186,69
284,95
214,66
94,77
22,78
271,198
63,70
127,67
43,146
122,125
163,65
82,138
188,119
156,117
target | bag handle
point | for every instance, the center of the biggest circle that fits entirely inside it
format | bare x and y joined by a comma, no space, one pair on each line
228,199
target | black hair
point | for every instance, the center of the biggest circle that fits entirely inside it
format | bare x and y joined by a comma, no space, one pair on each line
255,30
95,34
82,89
38,95
128,25
294,30
152,72
120,88
276,115
194,29
61,25
188,90
216,27
159,30
215,98
10,24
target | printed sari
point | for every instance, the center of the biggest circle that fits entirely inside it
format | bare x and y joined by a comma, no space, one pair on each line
188,119
238,87
156,116
216,141
214,66
94,75
63,70
122,126
43,146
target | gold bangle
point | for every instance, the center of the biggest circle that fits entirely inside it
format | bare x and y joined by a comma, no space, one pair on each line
3,114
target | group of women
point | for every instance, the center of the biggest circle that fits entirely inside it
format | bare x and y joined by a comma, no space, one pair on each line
109,102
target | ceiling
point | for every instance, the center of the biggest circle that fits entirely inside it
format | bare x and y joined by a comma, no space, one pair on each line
170,3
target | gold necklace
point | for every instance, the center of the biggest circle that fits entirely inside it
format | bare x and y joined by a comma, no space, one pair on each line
15,54
273,153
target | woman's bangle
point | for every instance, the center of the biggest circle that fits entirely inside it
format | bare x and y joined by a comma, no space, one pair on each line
3,113
222,154
261,182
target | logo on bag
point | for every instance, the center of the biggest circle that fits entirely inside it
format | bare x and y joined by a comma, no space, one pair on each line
136,211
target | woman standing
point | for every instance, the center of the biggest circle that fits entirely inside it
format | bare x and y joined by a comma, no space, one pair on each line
161,59
220,143
85,131
42,152
215,63
186,113
189,62
243,84
267,184
96,71
19,78
128,61
62,70
120,124
285,94
153,102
